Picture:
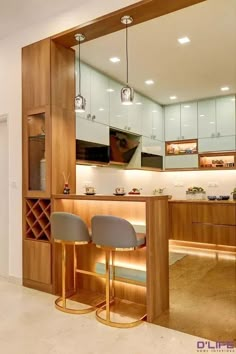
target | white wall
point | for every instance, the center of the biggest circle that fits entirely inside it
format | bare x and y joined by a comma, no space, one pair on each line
4,242
10,102
106,179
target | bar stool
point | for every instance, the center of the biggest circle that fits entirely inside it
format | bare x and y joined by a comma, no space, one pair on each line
69,229
114,234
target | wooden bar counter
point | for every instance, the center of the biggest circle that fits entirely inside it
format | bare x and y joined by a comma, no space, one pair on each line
149,215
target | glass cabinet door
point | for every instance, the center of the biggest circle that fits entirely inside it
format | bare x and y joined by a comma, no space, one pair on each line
36,152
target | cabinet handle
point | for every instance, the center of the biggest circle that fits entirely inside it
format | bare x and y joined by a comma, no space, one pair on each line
212,135
154,136
93,117
129,128
88,116
126,127
218,134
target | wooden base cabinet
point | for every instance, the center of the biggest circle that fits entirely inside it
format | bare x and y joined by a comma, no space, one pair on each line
204,222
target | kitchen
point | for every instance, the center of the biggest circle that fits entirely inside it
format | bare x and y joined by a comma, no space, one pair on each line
201,116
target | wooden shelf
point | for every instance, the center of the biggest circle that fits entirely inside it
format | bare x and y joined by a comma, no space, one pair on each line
181,147
38,219
217,161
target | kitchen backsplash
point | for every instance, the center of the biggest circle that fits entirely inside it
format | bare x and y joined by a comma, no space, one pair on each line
106,179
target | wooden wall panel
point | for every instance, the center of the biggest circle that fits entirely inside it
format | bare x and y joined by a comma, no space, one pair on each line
37,261
36,75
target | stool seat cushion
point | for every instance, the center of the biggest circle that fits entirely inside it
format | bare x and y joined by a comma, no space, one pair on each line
114,232
68,227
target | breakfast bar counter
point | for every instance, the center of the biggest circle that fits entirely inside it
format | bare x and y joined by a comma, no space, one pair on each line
146,270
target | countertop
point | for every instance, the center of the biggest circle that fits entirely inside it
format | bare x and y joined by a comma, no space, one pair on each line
111,197
206,201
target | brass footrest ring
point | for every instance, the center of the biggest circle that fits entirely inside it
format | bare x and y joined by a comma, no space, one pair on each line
60,307
117,324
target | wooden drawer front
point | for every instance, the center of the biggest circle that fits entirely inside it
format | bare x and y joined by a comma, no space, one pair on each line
225,235
219,214
180,221
37,261
204,233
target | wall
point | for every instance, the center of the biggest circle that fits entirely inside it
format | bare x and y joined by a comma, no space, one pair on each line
106,179
10,102
4,242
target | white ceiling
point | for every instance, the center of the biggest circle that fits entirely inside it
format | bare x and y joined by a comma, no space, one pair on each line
190,71
17,14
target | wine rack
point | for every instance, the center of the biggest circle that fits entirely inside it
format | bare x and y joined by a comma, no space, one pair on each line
38,219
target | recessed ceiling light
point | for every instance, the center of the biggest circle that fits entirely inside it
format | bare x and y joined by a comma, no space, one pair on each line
183,40
115,60
149,82
173,97
225,88
138,103
110,90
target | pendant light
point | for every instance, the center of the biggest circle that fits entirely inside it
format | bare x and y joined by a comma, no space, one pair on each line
127,92
80,101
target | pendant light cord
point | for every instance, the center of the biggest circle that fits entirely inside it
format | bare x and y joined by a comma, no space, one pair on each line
127,58
79,72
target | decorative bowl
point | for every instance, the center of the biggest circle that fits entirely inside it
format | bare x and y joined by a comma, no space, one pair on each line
211,197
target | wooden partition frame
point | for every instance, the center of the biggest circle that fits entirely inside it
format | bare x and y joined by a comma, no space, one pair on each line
47,73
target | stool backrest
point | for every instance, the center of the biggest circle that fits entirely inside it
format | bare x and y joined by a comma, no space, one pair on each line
112,231
68,227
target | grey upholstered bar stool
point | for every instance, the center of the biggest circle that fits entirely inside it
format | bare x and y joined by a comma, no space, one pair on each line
69,229
112,233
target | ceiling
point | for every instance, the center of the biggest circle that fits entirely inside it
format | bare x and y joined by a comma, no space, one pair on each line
17,14
191,71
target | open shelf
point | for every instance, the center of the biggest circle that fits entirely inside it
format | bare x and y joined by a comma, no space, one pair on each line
182,147
217,161
38,219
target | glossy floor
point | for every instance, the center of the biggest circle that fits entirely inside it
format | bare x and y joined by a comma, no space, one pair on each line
203,297
29,324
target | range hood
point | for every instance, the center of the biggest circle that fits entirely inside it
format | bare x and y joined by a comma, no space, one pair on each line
122,146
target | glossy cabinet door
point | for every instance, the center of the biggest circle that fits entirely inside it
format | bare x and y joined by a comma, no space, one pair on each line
157,122
207,118
147,114
224,143
225,115
85,87
118,112
91,131
135,114
184,161
152,146
188,120
99,108
172,122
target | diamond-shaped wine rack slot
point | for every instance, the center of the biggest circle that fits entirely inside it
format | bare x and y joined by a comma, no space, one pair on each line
38,219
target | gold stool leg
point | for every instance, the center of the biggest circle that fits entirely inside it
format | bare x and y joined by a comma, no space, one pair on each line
60,302
107,285
63,271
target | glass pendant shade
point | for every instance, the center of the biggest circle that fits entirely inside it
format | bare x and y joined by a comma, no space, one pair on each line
80,101
127,95
80,104
127,92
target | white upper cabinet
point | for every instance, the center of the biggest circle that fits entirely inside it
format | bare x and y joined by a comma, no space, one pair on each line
152,120
91,131
158,122
206,118
135,115
99,97
147,118
172,122
188,119
153,146
94,88
118,111
225,116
